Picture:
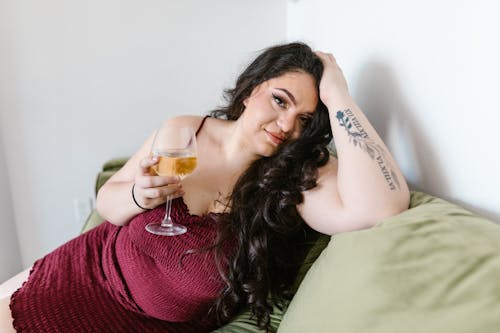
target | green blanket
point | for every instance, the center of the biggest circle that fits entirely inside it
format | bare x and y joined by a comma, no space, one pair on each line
433,268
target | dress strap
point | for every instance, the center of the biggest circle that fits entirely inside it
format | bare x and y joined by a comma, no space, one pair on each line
201,125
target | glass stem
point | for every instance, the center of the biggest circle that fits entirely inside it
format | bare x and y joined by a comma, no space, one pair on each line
167,221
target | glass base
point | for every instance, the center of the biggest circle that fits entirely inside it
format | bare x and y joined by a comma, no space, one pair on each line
170,230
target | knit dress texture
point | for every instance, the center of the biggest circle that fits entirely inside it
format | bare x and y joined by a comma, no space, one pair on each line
124,279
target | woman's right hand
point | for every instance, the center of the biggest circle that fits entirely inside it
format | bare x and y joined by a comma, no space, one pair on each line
151,190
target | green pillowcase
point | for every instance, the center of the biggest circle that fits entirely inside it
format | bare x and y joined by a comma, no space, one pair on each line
433,268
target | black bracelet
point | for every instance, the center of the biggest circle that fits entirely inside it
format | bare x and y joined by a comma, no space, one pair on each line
133,197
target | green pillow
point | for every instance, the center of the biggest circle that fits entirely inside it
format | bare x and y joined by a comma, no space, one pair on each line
433,268
108,170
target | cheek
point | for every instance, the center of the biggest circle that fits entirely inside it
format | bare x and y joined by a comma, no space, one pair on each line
299,128
261,111
296,133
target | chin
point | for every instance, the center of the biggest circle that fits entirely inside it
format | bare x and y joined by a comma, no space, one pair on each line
268,150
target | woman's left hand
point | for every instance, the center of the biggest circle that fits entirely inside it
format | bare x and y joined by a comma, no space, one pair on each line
333,84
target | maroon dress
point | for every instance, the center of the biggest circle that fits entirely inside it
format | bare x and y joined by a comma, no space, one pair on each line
124,279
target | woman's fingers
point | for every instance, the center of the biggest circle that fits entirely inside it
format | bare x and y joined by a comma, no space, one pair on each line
150,197
156,181
324,55
146,164
327,58
151,190
161,192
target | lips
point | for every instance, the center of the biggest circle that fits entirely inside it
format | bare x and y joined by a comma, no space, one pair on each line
275,138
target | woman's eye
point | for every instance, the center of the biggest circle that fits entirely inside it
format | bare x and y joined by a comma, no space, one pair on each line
278,100
304,120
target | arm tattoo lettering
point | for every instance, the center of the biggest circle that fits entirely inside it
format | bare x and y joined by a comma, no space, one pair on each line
358,136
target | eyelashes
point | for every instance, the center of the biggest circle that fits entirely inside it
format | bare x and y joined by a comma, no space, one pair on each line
305,119
280,101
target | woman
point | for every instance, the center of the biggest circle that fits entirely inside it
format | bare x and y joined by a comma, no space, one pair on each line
263,169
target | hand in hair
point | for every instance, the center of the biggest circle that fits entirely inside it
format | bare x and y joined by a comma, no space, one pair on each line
333,84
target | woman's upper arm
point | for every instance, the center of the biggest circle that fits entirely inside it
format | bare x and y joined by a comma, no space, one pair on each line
323,202
323,209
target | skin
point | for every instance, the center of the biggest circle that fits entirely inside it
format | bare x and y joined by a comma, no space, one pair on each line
353,191
6,290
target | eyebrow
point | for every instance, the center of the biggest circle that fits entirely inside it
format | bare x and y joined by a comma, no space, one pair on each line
289,95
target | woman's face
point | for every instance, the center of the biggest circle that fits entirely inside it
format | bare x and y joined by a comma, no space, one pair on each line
277,109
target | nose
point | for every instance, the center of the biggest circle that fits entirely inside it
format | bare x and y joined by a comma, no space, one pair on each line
286,122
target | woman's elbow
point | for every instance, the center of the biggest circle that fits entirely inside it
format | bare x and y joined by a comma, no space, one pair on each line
395,207
99,202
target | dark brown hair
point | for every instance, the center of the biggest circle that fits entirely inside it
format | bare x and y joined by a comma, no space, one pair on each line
263,220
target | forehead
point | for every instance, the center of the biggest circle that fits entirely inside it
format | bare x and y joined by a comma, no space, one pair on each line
301,85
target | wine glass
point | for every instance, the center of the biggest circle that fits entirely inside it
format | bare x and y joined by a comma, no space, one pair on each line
175,147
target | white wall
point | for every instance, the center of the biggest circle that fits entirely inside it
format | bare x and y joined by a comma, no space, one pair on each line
84,81
427,74
10,256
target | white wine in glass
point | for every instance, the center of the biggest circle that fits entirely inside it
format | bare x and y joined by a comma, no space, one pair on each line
174,163
176,149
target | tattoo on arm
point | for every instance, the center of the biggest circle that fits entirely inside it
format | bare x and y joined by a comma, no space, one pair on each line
358,136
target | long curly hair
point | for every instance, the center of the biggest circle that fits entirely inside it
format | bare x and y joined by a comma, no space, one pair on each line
263,220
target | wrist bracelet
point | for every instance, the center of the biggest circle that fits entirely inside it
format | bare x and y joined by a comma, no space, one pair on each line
135,201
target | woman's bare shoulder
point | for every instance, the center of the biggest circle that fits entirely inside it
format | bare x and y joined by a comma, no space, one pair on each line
186,120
